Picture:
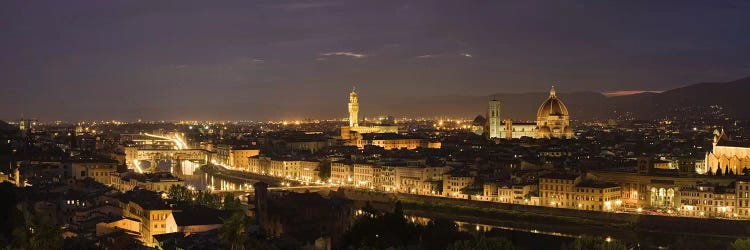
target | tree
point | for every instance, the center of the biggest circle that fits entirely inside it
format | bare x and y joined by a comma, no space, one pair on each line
587,242
718,171
740,244
483,243
208,199
398,210
231,203
80,243
369,209
180,193
442,233
726,170
234,230
324,170
10,216
390,230
38,233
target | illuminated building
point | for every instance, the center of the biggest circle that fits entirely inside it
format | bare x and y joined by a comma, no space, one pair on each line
285,168
597,195
742,188
557,190
708,199
518,130
364,175
353,109
516,194
238,157
493,119
27,126
259,164
727,155
477,126
222,154
660,189
309,171
195,220
98,169
156,182
351,131
454,183
389,141
148,208
577,192
420,179
553,119
341,173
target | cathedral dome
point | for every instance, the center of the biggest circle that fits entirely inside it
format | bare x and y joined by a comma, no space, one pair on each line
568,130
552,106
479,121
545,130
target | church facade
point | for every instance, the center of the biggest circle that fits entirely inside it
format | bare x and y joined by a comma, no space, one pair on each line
553,121
727,155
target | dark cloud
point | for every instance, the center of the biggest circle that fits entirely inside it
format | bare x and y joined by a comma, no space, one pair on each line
275,59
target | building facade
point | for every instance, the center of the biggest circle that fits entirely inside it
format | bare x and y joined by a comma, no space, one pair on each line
494,123
99,170
727,155
390,141
454,184
353,108
351,131
341,173
577,192
516,130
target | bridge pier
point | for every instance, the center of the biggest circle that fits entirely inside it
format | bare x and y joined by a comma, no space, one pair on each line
175,165
155,164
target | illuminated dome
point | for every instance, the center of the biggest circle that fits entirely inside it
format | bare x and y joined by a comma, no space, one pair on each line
568,130
479,121
553,119
545,130
552,107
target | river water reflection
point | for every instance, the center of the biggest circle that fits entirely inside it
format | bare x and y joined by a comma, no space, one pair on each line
528,237
217,182
525,238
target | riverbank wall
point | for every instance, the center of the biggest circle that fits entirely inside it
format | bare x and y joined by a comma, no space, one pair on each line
643,223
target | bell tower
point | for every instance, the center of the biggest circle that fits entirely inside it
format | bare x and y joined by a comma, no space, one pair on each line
493,119
353,108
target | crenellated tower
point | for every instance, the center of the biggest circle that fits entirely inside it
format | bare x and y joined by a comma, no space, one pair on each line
353,108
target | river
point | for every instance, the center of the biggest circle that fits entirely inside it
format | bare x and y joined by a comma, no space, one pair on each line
523,234
217,182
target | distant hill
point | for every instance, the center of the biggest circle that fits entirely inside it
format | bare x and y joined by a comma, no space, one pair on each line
730,95
733,96
4,126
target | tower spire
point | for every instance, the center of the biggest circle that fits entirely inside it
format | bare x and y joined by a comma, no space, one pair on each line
353,108
552,91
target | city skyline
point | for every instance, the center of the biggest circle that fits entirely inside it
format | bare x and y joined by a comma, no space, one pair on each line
235,59
361,124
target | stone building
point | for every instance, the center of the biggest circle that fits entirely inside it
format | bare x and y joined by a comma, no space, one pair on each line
578,192
354,128
727,155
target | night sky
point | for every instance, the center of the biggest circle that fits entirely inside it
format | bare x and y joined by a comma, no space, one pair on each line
253,60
